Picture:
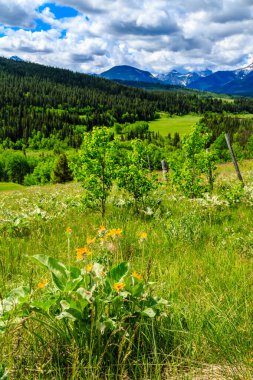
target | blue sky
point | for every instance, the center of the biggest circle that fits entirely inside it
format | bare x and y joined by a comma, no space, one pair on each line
160,35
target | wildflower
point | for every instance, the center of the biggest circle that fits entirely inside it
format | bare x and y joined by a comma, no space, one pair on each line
89,267
143,236
115,232
90,241
137,275
69,231
118,286
102,229
81,252
42,284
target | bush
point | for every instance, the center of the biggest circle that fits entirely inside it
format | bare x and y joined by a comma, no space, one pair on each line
41,174
16,167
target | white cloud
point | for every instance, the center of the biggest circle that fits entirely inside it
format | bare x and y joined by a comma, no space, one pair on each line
154,35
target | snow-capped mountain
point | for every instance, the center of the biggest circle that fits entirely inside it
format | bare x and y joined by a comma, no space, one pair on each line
232,82
244,71
16,58
176,78
239,81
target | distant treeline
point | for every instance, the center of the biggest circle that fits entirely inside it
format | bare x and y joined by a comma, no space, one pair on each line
38,99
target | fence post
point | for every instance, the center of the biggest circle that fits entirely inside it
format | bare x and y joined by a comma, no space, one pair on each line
165,170
234,158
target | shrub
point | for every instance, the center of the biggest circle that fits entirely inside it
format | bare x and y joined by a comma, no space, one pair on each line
16,167
41,174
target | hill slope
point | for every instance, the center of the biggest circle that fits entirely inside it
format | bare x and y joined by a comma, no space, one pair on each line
40,102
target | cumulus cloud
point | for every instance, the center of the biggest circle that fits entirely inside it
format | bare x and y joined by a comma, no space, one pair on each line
18,13
154,35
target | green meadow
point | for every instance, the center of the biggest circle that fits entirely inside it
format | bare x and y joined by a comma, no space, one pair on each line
180,124
8,186
197,254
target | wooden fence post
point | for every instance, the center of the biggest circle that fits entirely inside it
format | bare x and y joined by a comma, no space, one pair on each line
234,158
165,170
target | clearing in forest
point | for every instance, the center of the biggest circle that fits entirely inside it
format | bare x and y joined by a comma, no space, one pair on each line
172,124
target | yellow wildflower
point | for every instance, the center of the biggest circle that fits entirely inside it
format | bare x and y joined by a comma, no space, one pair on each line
143,236
90,241
89,267
81,252
42,284
115,232
137,275
102,229
69,231
118,286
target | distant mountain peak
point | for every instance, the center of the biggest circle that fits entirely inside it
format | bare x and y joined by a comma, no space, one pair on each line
246,69
16,58
174,77
128,73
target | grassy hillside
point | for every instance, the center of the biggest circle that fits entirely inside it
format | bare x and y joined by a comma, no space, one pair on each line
167,124
8,186
197,253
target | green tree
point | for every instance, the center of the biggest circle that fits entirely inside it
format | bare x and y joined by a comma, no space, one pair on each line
94,166
61,171
192,171
16,167
133,175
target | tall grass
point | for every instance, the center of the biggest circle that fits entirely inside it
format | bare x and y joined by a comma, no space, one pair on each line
198,256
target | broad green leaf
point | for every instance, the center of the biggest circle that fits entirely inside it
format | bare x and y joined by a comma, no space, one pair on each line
117,273
73,284
107,287
74,272
43,305
16,297
149,313
71,313
57,269
57,282
65,305
136,290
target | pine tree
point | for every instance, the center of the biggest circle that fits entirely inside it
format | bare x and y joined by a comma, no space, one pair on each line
62,172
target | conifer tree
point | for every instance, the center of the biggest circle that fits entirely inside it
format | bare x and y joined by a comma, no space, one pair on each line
62,172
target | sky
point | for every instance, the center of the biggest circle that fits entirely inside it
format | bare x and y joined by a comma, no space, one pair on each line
156,35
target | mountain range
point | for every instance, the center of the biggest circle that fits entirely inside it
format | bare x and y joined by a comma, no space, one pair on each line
234,82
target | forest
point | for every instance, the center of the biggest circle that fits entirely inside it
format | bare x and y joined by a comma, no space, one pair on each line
50,101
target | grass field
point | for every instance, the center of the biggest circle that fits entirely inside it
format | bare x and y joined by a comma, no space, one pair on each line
8,186
180,124
227,170
199,256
